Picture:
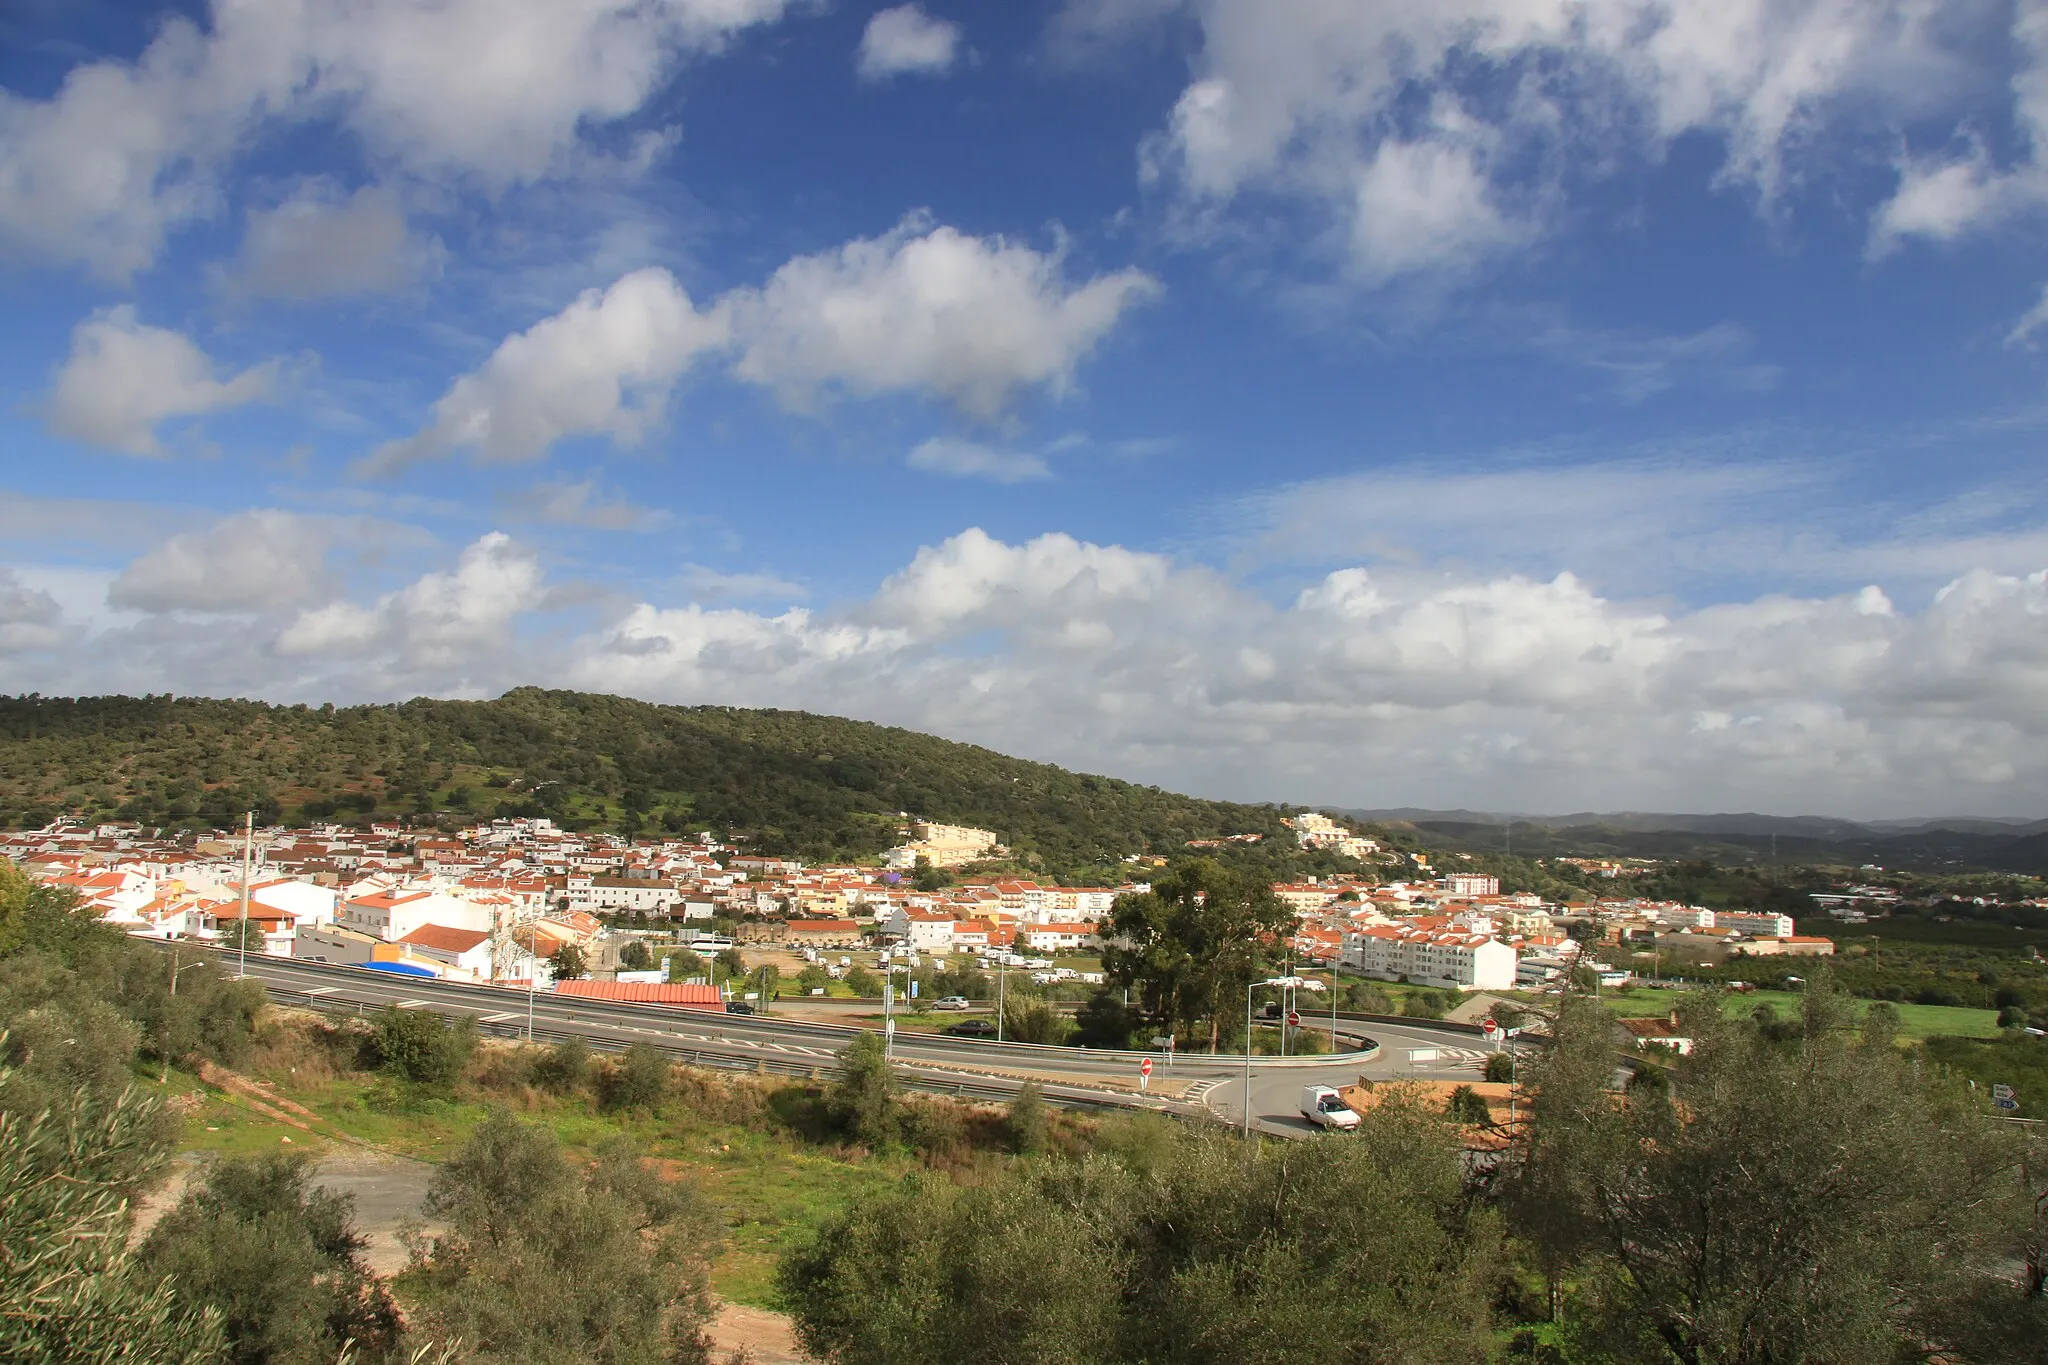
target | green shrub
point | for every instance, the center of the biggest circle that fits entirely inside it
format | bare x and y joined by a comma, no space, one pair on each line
1362,997
1033,1021
863,1102
1029,1122
564,1068
640,1080
1500,1067
279,1259
1465,1105
424,1048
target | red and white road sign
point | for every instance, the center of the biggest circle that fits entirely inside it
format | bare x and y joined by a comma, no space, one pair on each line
1294,1018
1489,1024
1145,1067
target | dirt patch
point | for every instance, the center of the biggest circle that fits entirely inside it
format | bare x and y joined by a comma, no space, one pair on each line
258,1096
767,1338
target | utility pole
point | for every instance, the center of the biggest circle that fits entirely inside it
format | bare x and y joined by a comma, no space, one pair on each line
248,847
1286,1007
1002,989
1333,998
532,975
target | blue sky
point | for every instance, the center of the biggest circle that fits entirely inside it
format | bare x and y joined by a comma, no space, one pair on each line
1520,404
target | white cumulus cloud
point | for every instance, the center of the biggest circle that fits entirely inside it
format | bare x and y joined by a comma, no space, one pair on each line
440,631
252,561
602,366
923,310
927,309
29,617
489,93
125,377
1431,135
905,40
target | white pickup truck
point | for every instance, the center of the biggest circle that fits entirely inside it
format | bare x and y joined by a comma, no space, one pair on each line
1322,1105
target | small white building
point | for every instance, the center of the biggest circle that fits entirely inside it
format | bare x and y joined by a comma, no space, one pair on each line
459,954
306,903
917,930
391,915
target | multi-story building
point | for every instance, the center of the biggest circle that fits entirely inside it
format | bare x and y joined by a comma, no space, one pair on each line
1754,923
1430,952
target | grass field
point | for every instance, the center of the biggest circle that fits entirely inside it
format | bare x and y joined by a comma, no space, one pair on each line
1916,1022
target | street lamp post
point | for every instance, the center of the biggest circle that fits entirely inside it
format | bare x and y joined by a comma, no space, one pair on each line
1249,987
1247,1060
1002,991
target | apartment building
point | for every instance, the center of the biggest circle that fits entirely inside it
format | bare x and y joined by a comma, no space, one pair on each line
1430,952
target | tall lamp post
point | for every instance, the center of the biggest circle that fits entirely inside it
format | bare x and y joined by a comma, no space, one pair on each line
1249,987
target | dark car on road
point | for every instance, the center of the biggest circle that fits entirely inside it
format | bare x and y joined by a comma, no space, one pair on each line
973,1028
738,1007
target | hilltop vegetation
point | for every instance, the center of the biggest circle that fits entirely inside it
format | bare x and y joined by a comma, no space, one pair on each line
780,781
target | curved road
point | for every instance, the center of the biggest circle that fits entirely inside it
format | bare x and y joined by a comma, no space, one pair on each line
971,1067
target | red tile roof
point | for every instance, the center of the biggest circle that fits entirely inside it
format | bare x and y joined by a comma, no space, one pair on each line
650,993
443,939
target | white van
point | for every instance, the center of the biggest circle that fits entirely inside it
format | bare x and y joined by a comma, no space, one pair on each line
1323,1106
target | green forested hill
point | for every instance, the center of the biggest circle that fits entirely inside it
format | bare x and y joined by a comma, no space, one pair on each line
786,781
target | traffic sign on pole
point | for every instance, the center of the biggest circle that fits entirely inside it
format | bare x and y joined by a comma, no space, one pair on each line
1145,1074
1294,1018
2001,1092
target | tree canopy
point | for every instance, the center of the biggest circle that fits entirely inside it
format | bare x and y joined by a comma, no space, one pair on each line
785,781
1188,948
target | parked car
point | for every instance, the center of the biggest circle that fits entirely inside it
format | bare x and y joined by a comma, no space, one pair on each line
951,1002
738,1007
973,1028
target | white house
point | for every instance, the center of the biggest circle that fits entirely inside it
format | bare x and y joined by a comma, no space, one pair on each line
460,954
306,903
919,930
1055,937
391,915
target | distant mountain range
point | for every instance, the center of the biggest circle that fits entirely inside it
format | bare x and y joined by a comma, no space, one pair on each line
1942,843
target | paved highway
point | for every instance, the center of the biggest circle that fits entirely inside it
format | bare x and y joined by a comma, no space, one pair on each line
971,1067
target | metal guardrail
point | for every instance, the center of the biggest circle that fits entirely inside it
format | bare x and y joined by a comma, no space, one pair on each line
717,1061
453,994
